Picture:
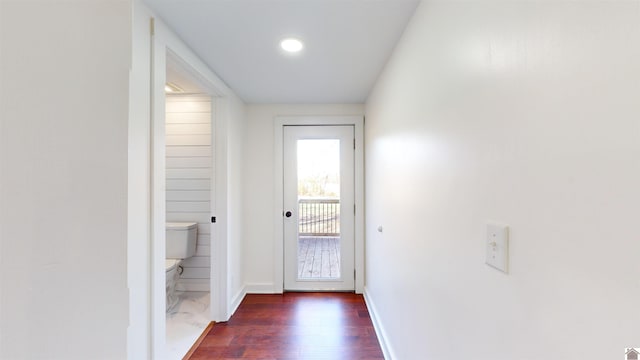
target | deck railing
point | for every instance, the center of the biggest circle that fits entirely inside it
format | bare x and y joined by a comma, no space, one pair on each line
319,217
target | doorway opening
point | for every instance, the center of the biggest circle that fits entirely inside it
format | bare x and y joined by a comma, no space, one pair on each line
189,203
187,173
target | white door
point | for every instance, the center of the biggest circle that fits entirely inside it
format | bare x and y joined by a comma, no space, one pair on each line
319,206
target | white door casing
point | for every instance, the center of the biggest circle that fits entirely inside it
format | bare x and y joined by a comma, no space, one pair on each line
165,43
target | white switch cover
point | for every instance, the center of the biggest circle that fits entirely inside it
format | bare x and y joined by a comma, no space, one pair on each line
497,245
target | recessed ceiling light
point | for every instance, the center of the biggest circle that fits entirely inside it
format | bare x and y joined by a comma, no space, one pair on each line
172,88
291,45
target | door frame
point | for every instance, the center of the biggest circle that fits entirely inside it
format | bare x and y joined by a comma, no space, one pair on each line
164,44
358,123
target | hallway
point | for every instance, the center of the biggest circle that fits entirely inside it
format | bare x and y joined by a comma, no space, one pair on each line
479,113
294,326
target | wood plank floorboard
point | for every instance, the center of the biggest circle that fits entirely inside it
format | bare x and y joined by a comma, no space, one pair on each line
330,326
318,257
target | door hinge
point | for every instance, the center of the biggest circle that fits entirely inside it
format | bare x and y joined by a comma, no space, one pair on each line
354,144
354,209
354,274
213,219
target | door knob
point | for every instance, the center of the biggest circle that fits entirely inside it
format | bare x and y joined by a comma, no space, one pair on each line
287,214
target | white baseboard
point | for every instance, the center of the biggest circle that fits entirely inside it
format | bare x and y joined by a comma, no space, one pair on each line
193,285
261,288
377,325
236,300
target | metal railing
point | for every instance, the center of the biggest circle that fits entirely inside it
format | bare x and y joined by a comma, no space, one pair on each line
319,217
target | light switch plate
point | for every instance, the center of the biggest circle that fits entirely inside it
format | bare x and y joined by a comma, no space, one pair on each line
497,246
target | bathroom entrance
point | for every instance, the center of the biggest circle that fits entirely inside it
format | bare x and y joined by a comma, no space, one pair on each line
189,141
185,241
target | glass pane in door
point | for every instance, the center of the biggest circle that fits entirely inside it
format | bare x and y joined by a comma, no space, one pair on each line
318,164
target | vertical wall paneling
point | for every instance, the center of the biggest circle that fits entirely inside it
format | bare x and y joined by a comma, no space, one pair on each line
189,165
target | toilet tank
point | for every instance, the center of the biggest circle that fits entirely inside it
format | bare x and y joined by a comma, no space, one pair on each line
181,239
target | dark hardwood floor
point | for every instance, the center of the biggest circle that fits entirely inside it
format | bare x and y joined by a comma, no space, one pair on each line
294,326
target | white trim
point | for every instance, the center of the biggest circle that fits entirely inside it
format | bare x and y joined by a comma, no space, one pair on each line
219,240
158,197
139,175
387,350
359,199
279,122
278,246
236,300
262,288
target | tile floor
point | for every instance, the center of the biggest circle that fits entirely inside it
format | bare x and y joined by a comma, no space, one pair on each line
185,322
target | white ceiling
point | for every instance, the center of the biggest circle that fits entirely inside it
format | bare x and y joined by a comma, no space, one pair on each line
347,43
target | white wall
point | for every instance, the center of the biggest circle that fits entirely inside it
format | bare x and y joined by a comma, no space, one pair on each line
524,113
189,168
63,198
259,186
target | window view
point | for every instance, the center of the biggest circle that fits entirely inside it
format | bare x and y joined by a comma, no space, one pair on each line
318,209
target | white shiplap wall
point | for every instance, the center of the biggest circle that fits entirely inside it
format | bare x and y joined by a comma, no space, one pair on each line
189,173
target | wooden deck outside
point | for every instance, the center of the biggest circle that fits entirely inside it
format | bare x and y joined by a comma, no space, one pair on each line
318,257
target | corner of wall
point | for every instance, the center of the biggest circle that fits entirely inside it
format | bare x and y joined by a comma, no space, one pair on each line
236,300
381,333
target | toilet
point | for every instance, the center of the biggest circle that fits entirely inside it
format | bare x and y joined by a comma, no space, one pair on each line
180,244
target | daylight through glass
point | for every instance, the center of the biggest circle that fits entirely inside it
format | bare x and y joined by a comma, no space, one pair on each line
318,209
